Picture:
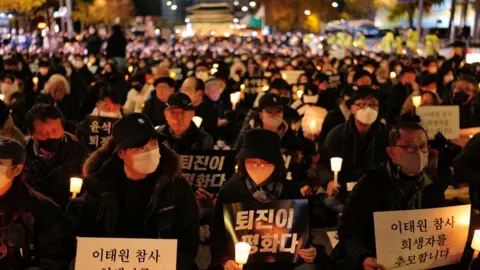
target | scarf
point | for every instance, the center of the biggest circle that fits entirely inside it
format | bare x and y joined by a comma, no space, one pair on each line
270,192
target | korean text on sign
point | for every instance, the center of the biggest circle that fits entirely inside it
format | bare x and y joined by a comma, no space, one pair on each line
275,231
443,119
131,254
421,239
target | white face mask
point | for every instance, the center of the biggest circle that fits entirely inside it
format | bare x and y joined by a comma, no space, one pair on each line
3,176
146,162
202,75
366,116
190,65
413,164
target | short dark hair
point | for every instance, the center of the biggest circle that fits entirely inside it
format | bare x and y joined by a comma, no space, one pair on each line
199,84
394,134
167,80
106,91
41,112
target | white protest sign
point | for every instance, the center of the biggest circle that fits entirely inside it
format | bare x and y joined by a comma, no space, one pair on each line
444,119
333,237
291,76
127,254
421,239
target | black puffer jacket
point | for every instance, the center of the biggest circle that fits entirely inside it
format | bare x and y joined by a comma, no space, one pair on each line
378,191
193,139
155,110
171,212
49,242
51,176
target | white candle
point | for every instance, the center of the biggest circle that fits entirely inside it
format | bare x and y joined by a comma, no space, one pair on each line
242,251
2,97
476,244
336,164
393,75
75,186
417,101
299,93
35,80
313,126
173,74
130,69
234,98
197,120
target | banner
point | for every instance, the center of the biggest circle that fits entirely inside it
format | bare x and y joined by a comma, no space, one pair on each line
125,254
444,119
421,239
276,231
98,131
208,169
255,85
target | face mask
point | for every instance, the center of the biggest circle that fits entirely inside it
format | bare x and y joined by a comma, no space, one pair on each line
272,121
413,164
460,98
190,65
202,75
50,145
3,176
310,99
366,116
137,87
147,162
109,114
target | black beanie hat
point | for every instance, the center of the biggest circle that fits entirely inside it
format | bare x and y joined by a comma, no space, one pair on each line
263,144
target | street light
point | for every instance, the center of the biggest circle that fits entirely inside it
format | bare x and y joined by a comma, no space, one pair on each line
334,4
244,8
236,3
187,20
307,12
235,20
253,4
174,7
169,3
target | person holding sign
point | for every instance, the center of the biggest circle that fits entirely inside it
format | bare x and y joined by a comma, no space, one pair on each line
360,142
398,184
134,190
53,155
157,102
34,233
260,178
181,134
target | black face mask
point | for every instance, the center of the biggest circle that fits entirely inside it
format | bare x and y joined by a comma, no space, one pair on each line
460,98
50,145
285,101
137,87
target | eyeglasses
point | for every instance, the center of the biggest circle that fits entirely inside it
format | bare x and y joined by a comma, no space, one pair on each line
363,104
412,148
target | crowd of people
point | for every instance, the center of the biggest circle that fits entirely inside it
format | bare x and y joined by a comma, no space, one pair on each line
358,108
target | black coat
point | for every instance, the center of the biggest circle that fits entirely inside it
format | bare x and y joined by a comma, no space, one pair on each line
359,155
68,106
155,109
117,45
235,190
398,96
49,243
51,177
94,44
207,110
171,212
333,119
467,169
193,139
378,191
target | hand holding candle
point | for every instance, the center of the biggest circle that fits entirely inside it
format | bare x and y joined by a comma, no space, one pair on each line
2,97
75,186
242,251
197,120
234,98
35,80
336,164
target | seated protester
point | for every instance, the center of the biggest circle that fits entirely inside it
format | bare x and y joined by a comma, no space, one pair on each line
9,86
134,181
398,184
214,88
7,127
428,99
401,91
182,135
50,244
157,102
467,169
360,142
195,89
53,155
428,84
260,177
14,96
384,88
108,106
326,95
57,93
465,95
44,73
137,95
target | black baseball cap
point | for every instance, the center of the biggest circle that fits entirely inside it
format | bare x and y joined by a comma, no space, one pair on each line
11,149
270,101
133,129
179,100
